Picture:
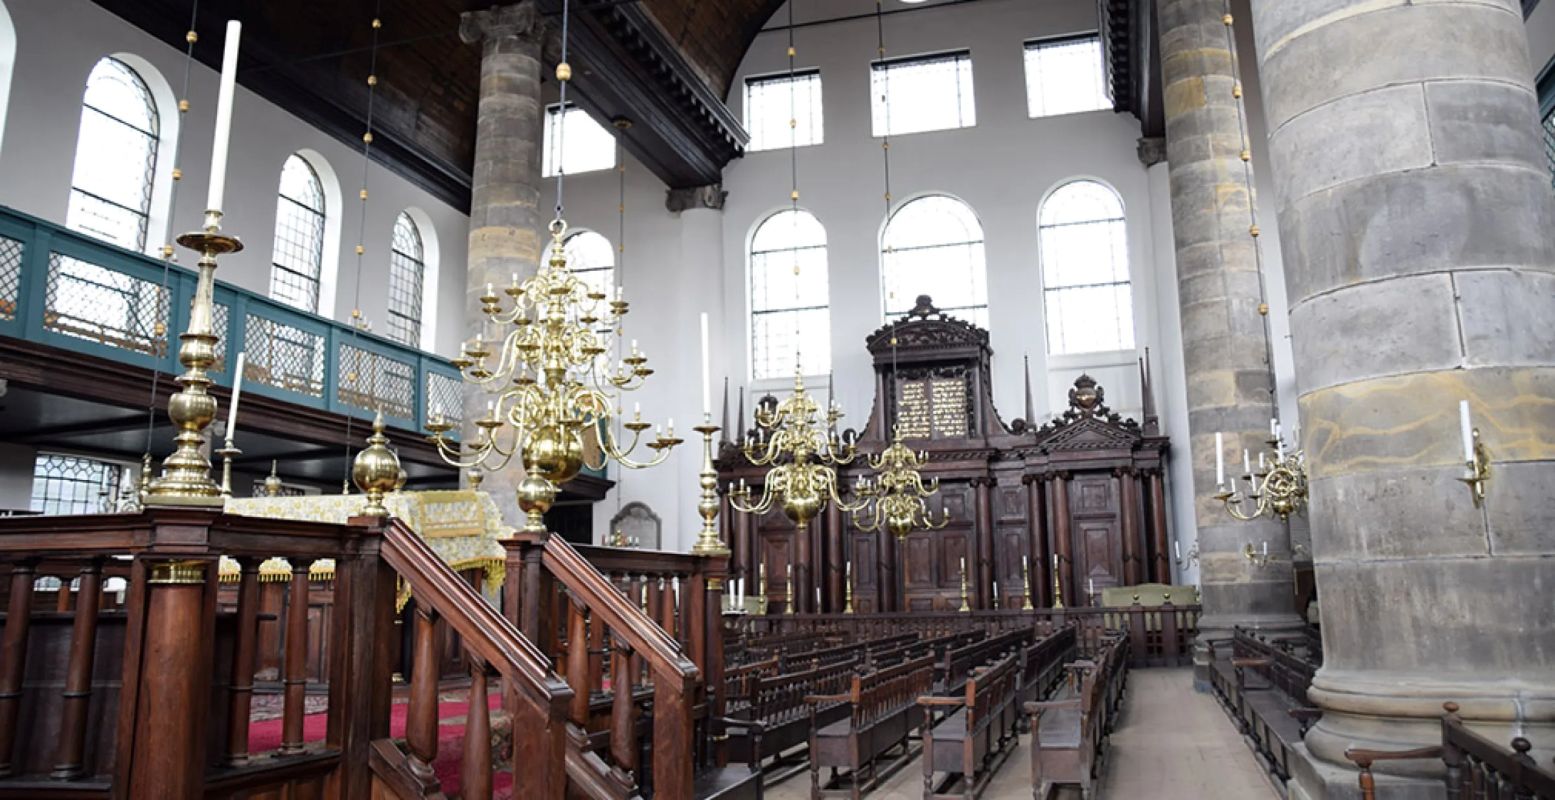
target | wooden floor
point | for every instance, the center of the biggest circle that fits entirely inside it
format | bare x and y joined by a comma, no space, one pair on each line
1172,743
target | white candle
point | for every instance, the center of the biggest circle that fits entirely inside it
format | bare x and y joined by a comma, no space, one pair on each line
1261,466
229,74
1266,547
1279,449
1220,459
1247,466
963,566
707,386
1090,586
671,425
237,389
1468,430
1274,427
637,409
1177,549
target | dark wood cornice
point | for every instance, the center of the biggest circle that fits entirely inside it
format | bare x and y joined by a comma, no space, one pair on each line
1132,60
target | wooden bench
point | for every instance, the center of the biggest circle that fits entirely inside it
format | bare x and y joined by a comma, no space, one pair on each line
952,670
1042,663
883,712
1476,766
1068,731
780,709
969,743
841,652
1264,688
740,683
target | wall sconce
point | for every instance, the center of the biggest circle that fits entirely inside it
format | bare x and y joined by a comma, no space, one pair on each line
1475,455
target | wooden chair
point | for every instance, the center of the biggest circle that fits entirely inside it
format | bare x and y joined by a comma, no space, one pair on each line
884,712
971,742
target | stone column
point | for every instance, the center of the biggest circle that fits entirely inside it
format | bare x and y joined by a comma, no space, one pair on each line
690,288
1225,355
1415,214
507,228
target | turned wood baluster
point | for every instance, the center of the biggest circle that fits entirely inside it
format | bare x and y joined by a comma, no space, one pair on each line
623,728
421,716
13,657
294,681
577,661
62,598
666,609
475,766
1171,649
596,653
77,696
243,662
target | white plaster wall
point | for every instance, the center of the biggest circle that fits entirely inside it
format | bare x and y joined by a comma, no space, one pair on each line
16,464
1541,36
37,151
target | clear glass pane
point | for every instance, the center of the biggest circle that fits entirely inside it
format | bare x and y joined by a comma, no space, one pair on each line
575,141
299,236
922,94
406,282
782,341
771,102
1084,254
1065,77
934,246
116,156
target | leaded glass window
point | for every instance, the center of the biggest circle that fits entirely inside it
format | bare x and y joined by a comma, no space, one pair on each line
576,142
116,157
790,298
407,278
934,245
1065,76
783,110
298,261
1549,142
592,259
72,485
925,93
1084,250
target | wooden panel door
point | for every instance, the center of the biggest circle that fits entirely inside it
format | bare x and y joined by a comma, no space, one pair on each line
776,549
1097,534
864,558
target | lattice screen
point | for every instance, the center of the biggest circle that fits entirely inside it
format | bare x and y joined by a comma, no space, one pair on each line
445,395
285,357
371,381
11,252
97,304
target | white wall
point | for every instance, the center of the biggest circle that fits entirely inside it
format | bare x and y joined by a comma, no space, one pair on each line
37,151
16,466
1541,36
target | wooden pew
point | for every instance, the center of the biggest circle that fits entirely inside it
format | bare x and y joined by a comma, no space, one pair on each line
1264,688
1042,663
1068,731
883,712
1476,766
952,671
780,706
740,683
971,742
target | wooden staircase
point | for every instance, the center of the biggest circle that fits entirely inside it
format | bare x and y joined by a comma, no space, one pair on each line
139,683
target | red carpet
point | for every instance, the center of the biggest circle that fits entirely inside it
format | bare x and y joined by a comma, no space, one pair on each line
265,736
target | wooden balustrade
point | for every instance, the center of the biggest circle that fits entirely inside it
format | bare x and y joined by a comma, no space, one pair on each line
170,675
1157,635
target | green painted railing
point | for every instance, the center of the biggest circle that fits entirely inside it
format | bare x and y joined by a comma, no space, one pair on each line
65,289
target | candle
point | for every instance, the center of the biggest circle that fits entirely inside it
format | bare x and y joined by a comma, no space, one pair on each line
707,386
1261,467
637,409
1279,449
1177,549
671,425
237,389
1090,586
1274,427
1266,547
229,74
515,279
963,566
1468,431
634,345
490,291
1220,460
1247,467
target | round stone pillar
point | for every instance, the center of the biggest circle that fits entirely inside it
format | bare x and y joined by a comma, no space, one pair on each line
1415,219
507,229
1225,355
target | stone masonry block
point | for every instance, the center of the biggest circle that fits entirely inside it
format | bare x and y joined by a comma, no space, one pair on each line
1416,222
1352,138
1375,330
1505,316
1393,46
1480,121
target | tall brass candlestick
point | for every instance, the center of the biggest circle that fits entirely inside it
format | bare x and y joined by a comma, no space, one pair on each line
964,605
186,474
708,543
848,598
761,586
1025,575
1058,588
788,603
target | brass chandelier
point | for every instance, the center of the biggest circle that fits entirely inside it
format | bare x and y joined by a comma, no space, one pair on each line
550,385
897,499
1276,487
803,448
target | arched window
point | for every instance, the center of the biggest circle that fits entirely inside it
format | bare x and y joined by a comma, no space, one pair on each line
934,245
1084,252
298,262
407,281
592,259
116,157
790,298
7,62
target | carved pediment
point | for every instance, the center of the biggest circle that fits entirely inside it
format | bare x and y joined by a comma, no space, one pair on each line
926,327
1088,434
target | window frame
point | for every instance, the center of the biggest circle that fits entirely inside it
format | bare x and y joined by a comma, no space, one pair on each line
757,375
405,324
817,116
320,241
1049,290
1031,45
966,105
907,304
548,125
115,476
153,138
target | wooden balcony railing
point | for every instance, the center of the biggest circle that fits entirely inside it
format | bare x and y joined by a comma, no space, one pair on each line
155,696
640,632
